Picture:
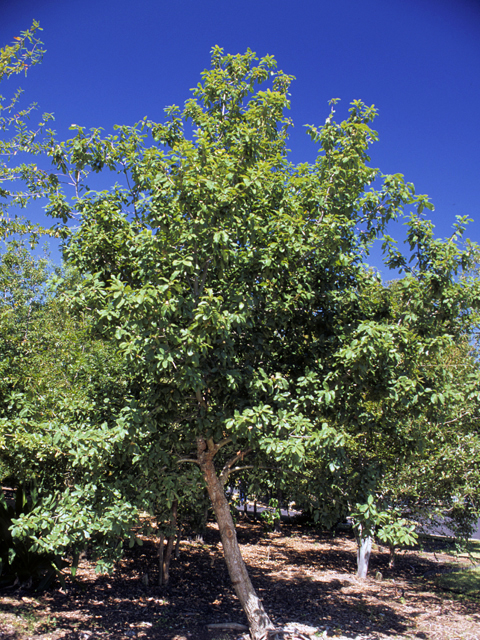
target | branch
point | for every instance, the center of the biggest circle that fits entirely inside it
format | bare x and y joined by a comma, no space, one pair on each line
224,478
467,413
215,447
223,442
195,280
228,465
200,400
204,275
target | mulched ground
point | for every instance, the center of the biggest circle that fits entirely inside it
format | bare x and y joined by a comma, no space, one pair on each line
301,575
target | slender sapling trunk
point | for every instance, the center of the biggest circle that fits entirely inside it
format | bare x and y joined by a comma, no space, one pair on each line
364,549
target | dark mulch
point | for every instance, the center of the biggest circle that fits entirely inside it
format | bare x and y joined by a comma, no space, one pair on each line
302,575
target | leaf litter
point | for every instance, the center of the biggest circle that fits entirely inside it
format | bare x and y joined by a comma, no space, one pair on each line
303,576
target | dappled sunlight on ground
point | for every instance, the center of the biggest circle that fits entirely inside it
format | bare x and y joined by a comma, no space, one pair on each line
301,576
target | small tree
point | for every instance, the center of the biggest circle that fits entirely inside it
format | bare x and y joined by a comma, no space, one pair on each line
400,404
233,282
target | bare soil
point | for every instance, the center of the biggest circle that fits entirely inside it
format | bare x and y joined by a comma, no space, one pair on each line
301,574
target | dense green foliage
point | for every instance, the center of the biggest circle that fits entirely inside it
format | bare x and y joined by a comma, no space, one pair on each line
61,390
235,283
221,298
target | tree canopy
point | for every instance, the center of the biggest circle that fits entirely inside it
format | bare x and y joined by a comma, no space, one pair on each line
236,289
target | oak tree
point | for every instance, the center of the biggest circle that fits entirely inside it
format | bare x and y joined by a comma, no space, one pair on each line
234,283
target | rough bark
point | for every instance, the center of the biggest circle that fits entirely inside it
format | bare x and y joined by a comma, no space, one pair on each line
258,620
364,549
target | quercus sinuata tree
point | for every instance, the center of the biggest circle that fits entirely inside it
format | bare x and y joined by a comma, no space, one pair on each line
235,285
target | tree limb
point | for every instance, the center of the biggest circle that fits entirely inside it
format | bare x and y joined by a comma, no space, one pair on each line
229,464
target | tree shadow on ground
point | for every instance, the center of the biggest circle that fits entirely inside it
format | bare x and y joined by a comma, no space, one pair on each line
302,577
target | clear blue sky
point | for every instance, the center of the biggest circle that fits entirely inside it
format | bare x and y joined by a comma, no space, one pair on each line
116,61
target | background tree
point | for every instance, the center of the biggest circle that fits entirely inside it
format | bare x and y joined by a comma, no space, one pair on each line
21,182
438,486
402,396
61,387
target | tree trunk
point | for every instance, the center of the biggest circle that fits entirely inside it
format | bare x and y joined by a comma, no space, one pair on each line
364,549
258,620
391,560
165,550
177,544
160,559
277,522
169,548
